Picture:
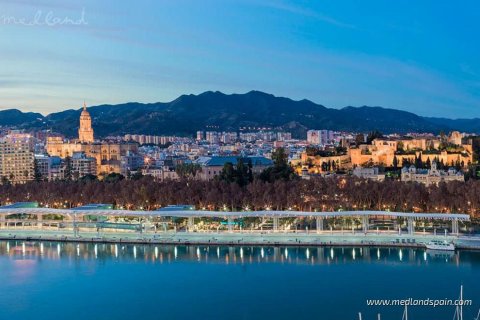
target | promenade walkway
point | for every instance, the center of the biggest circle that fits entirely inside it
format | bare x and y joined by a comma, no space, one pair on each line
244,238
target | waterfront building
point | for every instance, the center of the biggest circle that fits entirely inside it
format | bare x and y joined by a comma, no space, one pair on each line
430,176
16,158
279,221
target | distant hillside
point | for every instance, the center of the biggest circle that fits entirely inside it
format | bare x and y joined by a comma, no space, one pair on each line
467,125
189,113
14,117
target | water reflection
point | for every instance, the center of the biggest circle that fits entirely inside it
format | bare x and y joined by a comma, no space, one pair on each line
230,254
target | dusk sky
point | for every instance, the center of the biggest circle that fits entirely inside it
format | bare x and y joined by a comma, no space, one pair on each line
419,56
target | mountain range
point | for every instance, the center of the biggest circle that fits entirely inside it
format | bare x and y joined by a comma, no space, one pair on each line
217,111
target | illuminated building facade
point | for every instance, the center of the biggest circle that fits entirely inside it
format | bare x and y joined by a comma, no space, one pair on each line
16,158
107,154
85,131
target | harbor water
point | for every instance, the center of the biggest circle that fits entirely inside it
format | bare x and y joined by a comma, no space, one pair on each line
50,280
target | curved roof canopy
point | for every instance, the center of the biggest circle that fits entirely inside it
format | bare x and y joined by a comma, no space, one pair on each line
188,212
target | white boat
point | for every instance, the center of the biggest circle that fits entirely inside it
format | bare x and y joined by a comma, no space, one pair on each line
440,245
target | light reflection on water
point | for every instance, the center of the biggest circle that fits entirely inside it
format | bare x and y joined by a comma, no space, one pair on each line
126,281
226,254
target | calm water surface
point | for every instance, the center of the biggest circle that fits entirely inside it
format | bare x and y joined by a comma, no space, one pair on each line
104,281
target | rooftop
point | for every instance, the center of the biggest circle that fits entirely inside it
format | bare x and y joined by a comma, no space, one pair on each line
188,211
94,206
20,205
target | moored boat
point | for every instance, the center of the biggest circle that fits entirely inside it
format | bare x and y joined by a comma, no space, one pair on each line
440,245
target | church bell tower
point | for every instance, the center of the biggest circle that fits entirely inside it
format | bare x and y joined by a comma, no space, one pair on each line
85,132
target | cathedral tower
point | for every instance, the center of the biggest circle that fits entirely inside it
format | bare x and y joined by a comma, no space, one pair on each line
85,132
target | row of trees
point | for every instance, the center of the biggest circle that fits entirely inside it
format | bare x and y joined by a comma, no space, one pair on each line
326,194
237,188
420,164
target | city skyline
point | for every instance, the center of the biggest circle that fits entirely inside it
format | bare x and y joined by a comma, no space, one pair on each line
250,159
412,59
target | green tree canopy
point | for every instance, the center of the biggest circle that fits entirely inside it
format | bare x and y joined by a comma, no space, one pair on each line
240,174
281,169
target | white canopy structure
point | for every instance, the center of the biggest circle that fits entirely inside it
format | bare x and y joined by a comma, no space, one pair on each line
235,214
190,213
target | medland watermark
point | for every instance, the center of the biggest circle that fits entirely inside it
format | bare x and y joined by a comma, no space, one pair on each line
44,19
419,302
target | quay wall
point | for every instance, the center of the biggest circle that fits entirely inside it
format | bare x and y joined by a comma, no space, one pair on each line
246,239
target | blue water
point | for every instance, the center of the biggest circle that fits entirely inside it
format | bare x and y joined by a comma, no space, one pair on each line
70,281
